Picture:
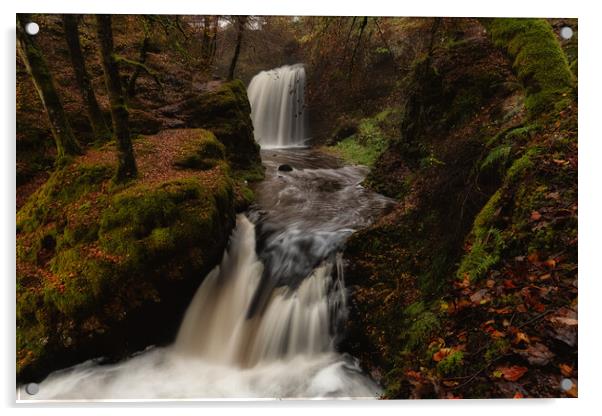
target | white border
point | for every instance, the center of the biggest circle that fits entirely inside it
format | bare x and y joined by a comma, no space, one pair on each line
590,141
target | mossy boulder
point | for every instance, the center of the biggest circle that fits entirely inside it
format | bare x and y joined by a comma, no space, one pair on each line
539,61
204,152
105,269
227,113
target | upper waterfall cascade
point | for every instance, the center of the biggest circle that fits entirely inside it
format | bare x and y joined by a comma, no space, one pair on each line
278,108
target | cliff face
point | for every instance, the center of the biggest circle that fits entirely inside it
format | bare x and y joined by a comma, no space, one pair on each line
105,269
472,273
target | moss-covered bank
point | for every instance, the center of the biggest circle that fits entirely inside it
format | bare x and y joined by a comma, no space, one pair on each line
105,269
473,272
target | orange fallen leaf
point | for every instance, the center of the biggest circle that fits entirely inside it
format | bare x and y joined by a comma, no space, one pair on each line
535,216
520,337
566,369
509,284
413,374
512,373
441,354
502,311
518,395
545,276
533,257
551,263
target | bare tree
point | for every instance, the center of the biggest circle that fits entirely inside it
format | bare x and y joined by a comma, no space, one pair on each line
241,20
36,66
99,126
126,163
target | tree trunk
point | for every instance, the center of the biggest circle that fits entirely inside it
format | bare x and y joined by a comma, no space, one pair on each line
242,20
126,164
131,87
99,127
34,61
205,41
214,38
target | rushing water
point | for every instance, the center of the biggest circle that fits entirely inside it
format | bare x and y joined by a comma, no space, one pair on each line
278,107
266,321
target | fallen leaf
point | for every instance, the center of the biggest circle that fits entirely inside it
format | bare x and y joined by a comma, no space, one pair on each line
502,311
480,297
518,395
550,263
533,257
512,373
564,321
521,337
535,216
545,276
566,370
509,284
537,354
413,374
441,354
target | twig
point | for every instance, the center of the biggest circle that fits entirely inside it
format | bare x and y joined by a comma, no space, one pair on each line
541,315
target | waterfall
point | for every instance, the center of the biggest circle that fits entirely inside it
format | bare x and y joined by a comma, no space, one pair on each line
278,108
287,350
264,322
293,322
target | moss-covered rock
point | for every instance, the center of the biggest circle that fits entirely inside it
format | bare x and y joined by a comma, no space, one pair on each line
99,264
226,112
539,61
204,152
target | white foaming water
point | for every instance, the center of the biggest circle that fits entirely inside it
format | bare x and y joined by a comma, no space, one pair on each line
278,108
286,350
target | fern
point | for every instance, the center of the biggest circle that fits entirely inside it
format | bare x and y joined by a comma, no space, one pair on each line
498,156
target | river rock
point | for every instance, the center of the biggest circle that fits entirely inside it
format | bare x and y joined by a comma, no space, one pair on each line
285,168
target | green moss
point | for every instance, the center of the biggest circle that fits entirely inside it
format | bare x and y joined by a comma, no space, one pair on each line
418,325
486,241
498,348
539,62
64,186
370,141
451,364
204,152
521,165
90,251
226,112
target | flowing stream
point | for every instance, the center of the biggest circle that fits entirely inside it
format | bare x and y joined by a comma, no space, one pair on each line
266,321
